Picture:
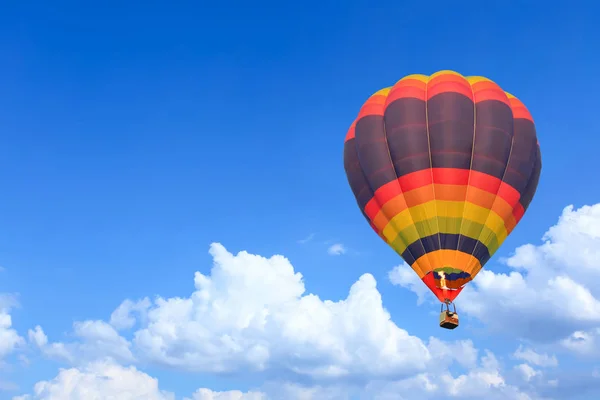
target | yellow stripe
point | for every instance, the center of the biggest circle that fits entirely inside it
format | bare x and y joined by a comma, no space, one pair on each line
418,77
404,222
445,72
382,92
474,79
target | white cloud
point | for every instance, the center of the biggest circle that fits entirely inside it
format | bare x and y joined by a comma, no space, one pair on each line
207,394
527,372
484,380
403,275
97,339
99,380
547,296
124,317
307,239
9,338
104,379
584,343
532,357
336,249
252,314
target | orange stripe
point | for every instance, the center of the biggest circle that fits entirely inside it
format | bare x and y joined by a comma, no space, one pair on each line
454,258
488,90
519,110
380,222
377,231
375,107
390,210
449,83
445,77
407,88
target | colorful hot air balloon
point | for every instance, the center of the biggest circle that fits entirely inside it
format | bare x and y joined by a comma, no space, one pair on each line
443,167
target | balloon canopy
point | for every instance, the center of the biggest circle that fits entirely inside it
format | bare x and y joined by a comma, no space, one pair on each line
443,167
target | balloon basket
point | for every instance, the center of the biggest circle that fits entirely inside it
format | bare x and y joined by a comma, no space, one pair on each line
448,319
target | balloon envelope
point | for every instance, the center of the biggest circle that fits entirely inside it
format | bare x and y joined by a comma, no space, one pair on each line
443,167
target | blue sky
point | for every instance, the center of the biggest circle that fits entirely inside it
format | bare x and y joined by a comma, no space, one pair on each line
135,135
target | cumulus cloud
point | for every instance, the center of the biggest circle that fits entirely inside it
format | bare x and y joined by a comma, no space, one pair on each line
584,343
532,357
403,275
10,340
207,394
97,339
483,380
336,249
253,314
527,372
104,379
124,317
547,297
99,380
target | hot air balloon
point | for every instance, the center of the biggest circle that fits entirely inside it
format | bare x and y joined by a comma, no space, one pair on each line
443,168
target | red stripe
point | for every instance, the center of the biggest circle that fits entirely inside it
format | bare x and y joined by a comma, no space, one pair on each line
449,83
447,176
449,86
370,109
351,132
518,212
441,294
488,90
374,106
415,180
451,176
372,208
519,110
508,193
407,88
484,182
522,113
491,94
382,196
